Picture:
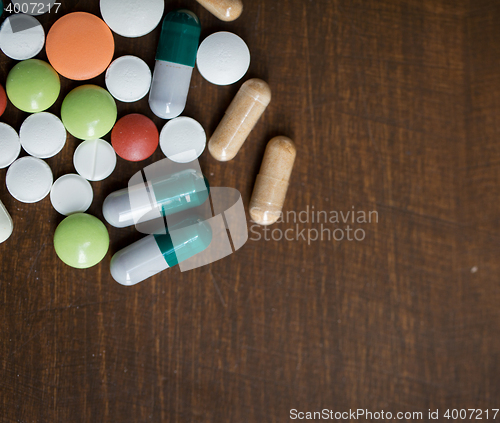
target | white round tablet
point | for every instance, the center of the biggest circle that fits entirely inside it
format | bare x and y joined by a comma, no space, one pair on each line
132,18
71,194
19,43
10,147
183,140
223,58
95,160
42,135
29,179
128,78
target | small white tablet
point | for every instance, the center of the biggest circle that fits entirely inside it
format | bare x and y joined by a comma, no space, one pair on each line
128,79
223,58
183,140
29,179
95,160
42,135
132,18
71,194
24,44
6,225
10,147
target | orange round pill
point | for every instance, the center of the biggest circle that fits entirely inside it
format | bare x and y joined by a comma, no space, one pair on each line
3,100
135,137
80,46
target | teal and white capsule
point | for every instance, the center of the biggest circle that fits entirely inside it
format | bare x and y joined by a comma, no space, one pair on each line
165,196
175,60
155,253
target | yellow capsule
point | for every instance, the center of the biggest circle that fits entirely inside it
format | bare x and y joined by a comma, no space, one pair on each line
271,185
240,118
225,10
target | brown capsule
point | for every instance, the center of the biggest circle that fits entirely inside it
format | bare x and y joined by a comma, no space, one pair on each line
240,118
271,185
225,10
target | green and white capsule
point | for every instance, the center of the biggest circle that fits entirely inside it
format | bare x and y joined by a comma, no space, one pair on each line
155,253
175,60
171,194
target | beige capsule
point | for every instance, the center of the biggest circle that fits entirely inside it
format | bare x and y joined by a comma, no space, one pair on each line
225,10
271,185
240,118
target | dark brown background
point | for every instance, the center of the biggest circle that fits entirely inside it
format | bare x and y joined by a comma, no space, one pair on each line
394,106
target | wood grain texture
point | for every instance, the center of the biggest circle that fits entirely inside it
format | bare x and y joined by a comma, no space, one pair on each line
394,107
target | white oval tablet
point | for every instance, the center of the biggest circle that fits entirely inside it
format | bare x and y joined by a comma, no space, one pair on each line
71,194
42,135
10,147
223,58
6,225
24,44
132,18
29,179
183,140
128,78
95,160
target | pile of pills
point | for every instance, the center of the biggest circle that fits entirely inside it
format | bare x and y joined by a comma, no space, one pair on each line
80,46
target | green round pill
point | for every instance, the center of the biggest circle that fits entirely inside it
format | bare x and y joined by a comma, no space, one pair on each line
89,112
81,240
33,86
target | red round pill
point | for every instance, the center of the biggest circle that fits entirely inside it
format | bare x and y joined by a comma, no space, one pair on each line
3,100
135,137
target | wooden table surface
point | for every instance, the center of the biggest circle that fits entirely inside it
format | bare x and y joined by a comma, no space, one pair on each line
394,106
